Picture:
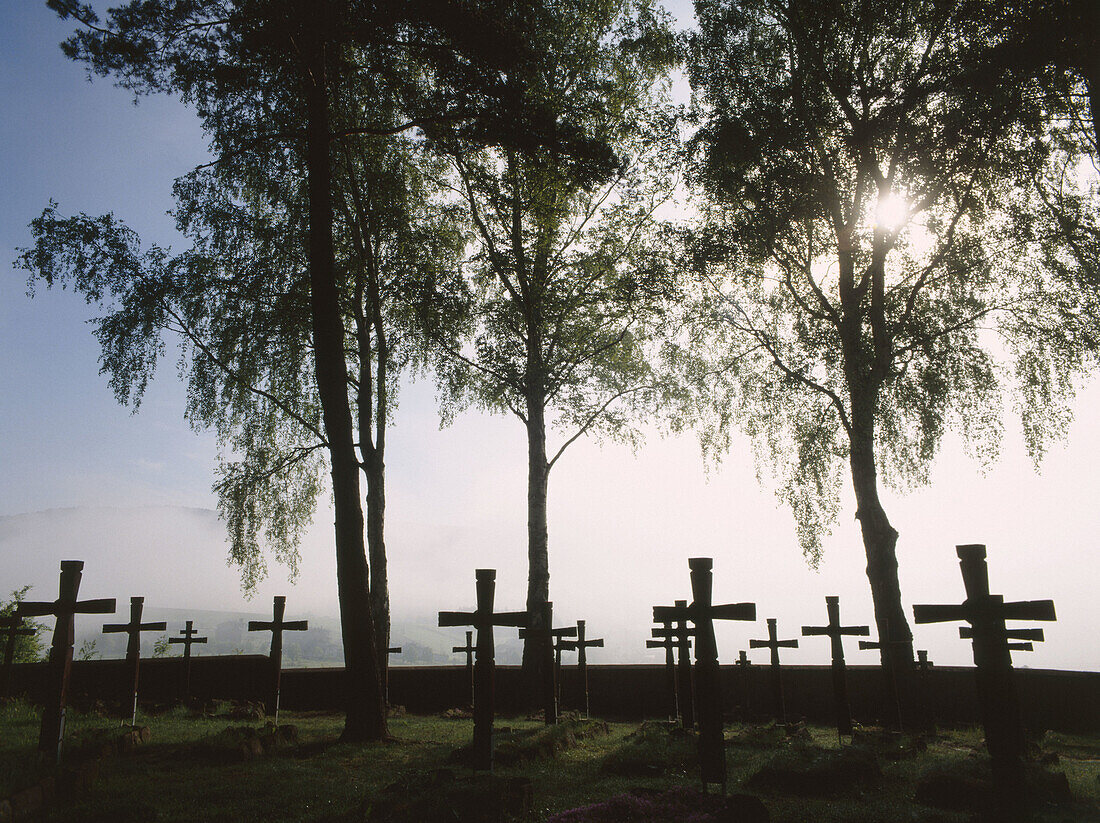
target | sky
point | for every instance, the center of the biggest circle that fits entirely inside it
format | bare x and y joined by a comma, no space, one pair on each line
622,524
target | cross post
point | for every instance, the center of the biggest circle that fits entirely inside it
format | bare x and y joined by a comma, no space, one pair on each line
702,613
386,669
469,650
835,632
11,627
774,644
580,644
541,632
61,651
924,712
986,613
743,665
187,640
483,620
560,645
884,645
133,631
669,645
277,626
681,635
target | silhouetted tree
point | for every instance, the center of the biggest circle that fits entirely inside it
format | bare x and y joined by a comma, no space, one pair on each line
859,258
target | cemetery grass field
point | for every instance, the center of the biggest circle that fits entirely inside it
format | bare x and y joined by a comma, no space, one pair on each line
191,768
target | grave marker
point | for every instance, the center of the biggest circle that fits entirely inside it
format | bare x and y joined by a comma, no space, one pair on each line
743,664
187,640
483,620
924,711
774,644
580,644
887,662
559,636
702,613
386,681
685,688
541,631
61,651
668,644
133,631
835,632
11,627
986,613
277,626
469,650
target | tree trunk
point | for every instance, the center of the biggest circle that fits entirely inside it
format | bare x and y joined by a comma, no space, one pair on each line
366,715
538,559
376,546
880,543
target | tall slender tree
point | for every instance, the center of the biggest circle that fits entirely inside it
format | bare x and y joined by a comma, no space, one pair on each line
568,280
855,158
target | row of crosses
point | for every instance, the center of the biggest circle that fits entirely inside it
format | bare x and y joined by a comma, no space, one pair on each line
696,694
481,657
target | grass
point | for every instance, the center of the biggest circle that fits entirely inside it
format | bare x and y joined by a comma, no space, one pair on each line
185,774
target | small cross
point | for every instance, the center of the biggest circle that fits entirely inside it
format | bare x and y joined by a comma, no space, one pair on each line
187,640
775,645
580,644
11,627
277,626
681,634
669,645
483,619
133,631
887,661
542,632
61,651
835,632
469,650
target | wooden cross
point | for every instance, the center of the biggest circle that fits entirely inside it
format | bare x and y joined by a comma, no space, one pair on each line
967,633
924,713
541,631
386,668
133,631
887,662
469,650
835,632
277,626
560,646
669,645
579,645
483,620
774,644
11,627
986,613
187,640
61,651
743,665
702,613
681,635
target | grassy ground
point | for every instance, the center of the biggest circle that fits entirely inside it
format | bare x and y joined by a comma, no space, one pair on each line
188,772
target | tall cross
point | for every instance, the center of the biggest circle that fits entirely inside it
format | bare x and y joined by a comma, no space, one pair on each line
469,650
986,613
702,613
681,635
541,631
580,644
11,627
835,632
277,626
483,620
61,651
669,645
187,640
133,631
774,644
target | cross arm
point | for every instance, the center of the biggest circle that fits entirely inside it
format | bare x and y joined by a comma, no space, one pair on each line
457,619
670,614
296,626
734,611
186,639
102,606
1030,610
515,619
938,613
967,633
260,625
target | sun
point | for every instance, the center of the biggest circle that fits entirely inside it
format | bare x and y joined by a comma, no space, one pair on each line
891,212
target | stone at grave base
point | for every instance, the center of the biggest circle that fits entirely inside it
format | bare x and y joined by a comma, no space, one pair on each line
247,710
145,733
440,797
818,773
395,711
287,735
27,804
674,804
250,748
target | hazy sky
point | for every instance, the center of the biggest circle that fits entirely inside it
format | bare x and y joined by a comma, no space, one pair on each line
621,525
